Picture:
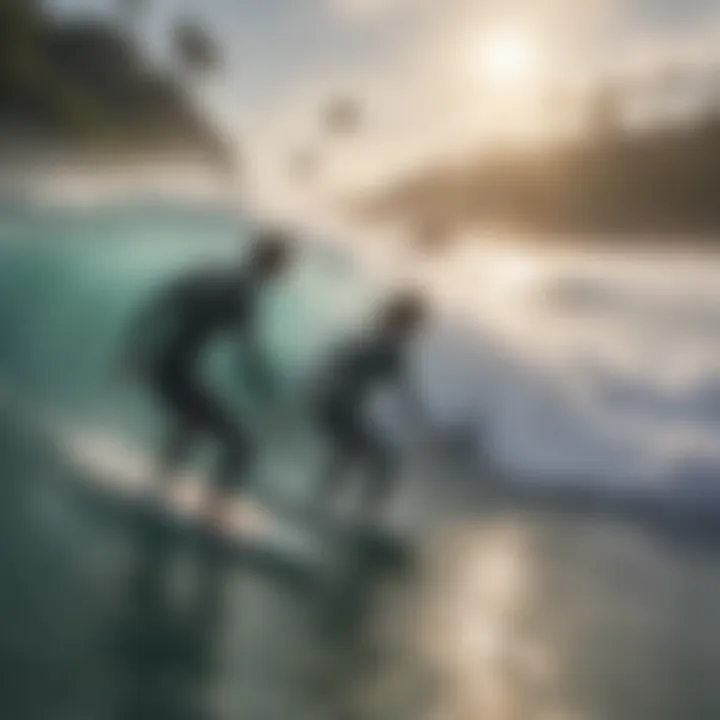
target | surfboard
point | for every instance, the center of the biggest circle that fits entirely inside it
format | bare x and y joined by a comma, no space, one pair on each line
270,533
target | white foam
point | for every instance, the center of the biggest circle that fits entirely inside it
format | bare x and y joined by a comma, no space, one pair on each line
602,367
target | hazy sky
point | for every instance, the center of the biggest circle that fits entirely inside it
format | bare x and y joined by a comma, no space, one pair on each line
416,64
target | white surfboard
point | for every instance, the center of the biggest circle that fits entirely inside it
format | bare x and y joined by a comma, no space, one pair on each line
111,466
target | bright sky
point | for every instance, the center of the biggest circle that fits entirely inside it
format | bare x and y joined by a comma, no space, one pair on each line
435,76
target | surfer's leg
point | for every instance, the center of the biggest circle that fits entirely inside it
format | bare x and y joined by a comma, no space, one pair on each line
381,470
234,461
339,425
336,469
175,393
230,475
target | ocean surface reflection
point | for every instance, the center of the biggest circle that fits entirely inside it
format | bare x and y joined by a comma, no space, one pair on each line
510,614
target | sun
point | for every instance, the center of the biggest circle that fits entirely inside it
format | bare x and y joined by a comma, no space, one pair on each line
508,56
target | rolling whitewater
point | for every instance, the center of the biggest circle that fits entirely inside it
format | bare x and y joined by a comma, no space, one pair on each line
577,551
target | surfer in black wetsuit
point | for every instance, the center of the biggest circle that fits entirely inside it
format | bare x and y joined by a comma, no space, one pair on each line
354,372
168,343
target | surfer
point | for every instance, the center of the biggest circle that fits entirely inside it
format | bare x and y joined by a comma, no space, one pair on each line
167,345
354,372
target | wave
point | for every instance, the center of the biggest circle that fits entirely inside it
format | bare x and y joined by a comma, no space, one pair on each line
558,369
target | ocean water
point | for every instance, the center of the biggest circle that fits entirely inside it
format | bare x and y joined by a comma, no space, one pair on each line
561,374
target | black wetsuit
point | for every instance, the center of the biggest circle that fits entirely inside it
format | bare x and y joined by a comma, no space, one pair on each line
173,338
350,377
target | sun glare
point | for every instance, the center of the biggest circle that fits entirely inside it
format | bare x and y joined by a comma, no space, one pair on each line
508,57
